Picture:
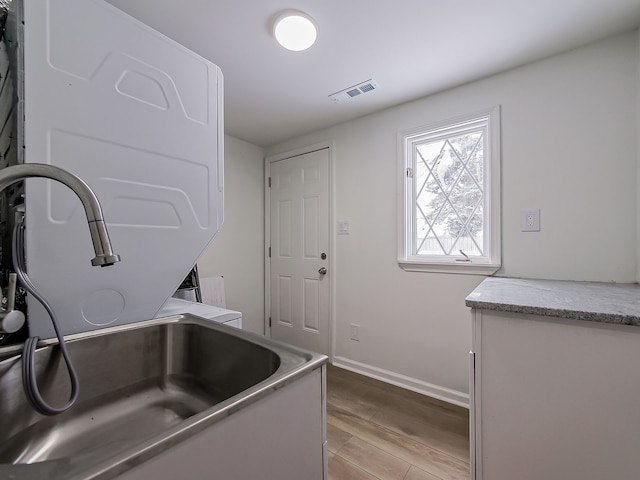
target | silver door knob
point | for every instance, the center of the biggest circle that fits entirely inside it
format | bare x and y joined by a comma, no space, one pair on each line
322,271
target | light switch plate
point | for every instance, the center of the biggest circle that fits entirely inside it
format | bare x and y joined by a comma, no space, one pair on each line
530,220
343,227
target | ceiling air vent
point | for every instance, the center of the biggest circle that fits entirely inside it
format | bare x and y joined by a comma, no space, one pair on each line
355,91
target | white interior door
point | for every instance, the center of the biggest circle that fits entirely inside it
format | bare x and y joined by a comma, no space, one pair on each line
299,262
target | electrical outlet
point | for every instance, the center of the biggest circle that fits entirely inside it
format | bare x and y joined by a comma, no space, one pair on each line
530,221
355,332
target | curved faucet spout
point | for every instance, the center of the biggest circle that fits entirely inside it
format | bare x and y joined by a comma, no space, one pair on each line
97,229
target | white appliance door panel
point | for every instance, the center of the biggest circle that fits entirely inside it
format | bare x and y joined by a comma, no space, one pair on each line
138,118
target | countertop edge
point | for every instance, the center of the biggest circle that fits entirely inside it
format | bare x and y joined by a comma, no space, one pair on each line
608,303
598,317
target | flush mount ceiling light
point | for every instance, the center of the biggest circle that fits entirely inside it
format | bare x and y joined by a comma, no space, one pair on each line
295,30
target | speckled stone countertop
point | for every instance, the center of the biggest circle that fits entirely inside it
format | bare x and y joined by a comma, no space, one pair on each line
617,303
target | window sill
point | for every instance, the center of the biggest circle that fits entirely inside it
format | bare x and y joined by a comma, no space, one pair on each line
466,268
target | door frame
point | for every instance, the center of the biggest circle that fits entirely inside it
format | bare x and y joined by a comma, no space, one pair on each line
330,146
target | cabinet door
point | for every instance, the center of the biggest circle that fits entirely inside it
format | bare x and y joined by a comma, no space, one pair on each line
558,398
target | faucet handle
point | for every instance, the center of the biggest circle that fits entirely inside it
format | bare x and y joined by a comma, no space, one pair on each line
11,320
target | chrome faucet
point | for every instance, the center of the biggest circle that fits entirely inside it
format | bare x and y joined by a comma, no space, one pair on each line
12,320
104,256
97,229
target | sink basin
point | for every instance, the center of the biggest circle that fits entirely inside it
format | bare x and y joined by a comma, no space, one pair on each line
144,387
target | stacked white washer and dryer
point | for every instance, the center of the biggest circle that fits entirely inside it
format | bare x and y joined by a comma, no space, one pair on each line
204,297
139,118
177,306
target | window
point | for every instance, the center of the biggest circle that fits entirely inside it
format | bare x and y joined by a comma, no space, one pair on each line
450,206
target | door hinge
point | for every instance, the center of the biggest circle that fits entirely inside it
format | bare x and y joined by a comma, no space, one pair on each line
410,172
269,182
269,252
269,322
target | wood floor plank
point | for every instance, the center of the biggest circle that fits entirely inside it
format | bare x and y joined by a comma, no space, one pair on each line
362,383
350,392
340,377
423,456
405,422
336,438
416,474
341,469
436,412
351,402
373,460
407,395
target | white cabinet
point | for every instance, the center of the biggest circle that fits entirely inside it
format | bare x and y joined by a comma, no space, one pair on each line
554,399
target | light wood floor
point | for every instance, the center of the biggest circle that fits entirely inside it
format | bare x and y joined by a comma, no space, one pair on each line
379,431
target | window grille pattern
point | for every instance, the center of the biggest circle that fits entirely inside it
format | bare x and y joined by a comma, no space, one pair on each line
449,200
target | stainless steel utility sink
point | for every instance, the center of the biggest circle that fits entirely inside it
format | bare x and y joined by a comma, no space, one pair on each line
143,388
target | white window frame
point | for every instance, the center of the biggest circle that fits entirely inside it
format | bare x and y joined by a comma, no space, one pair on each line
481,265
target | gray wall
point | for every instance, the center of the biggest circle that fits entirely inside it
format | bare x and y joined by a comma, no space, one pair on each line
237,251
568,147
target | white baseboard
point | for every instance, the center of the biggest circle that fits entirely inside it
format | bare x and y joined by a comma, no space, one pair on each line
441,393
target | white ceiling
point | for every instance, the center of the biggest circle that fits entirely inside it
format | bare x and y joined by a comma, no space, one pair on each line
411,48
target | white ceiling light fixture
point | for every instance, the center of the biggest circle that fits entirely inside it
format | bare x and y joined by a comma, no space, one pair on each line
295,30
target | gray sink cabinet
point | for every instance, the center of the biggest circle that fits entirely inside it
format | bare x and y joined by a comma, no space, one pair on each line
279,437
